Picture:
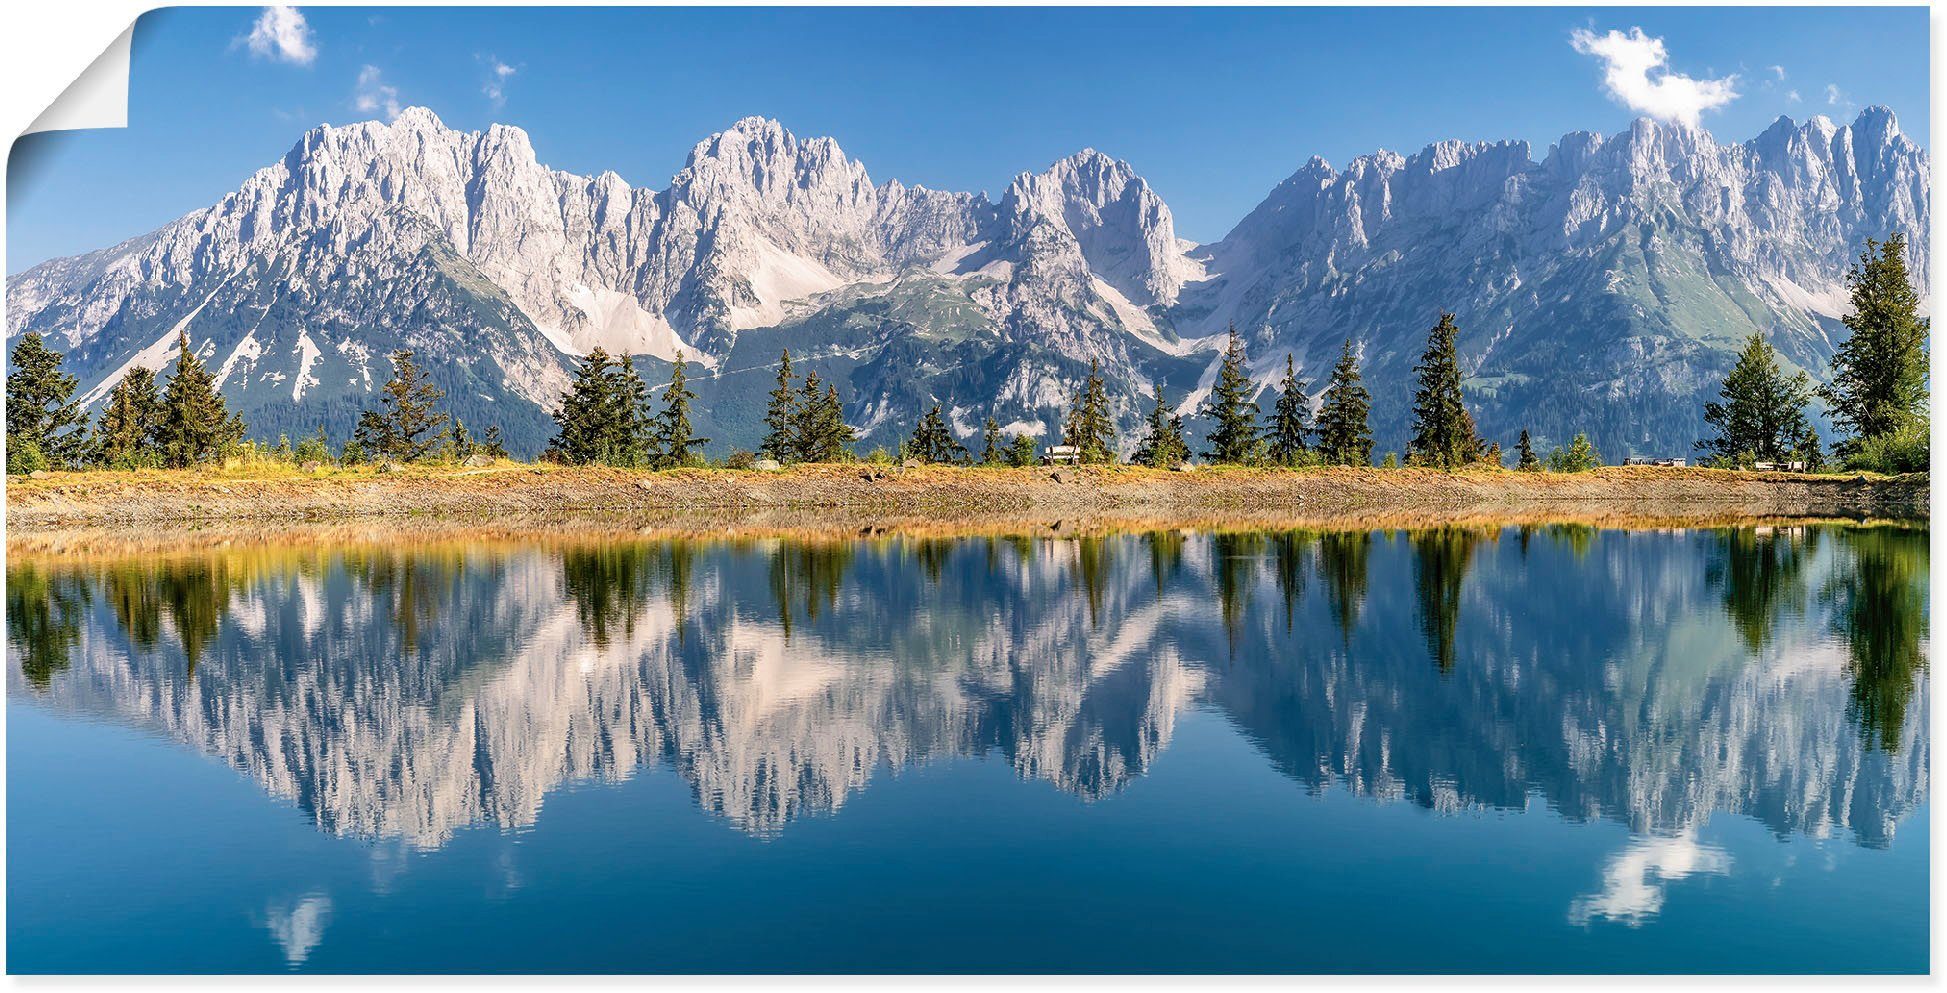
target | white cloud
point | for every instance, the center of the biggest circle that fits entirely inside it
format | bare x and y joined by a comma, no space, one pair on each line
1636,74
495,87
1791,96
281,35
374,94
1779,72
1834,96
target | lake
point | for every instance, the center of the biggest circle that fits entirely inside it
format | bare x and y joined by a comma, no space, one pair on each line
1520,749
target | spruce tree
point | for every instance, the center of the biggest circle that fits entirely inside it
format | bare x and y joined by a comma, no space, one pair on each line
1879,373
406,427
42,413
1527,462
1089,427
781,427
1443,430
1290,419
1580,456
1344,436
820,432
1162,444
676,441
1231,406
196,423
933,442
1761,416
584,431
634,423
491,445
990,438
128,434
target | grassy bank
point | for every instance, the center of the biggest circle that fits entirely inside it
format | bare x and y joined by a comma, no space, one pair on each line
271,494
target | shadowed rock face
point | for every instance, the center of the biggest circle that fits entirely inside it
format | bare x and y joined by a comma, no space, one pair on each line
1618,269
410,693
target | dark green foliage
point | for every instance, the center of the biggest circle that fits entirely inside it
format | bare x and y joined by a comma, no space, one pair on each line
491,445
1344,435
316,448
1443,430
1230,405
196,425
1162,443
601,416
1089,426
990,443
781,417
933,442
129,432
1290,419
1761,417
1527,462
676,442
407,428
1879,374
819,432
41,409
1904,450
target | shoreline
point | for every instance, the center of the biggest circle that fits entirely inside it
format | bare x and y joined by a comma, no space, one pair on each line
859,497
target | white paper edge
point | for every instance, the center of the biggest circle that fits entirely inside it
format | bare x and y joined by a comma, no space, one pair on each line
98,98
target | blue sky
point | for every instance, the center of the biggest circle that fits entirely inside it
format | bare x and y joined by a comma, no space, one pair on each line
1213,106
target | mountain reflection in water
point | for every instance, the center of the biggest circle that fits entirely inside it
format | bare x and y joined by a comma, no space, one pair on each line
1651,678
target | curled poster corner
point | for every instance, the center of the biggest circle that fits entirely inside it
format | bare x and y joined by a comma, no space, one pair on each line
98,98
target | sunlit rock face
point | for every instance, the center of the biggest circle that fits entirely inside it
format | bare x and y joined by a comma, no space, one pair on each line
1602,285
1652,679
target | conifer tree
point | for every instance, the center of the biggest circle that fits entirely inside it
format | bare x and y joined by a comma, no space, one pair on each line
1162,444
781,417
129,431
634,423
42,413
1527,462
459,443
990,447
196,424
1290,419
1089,427
1761,416
406,427
1580,456
1344,436
933,442
1443,430
818,432
1231,406
1879,373
491,444
676,440
585,430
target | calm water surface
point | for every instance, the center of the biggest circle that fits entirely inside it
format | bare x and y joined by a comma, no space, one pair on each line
1448,750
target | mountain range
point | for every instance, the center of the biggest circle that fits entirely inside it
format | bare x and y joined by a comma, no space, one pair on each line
1602,288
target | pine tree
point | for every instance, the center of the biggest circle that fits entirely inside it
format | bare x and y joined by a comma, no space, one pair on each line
1231,406
128,433
781,417
1527,462
1290,419
932,442
1162,444
1344,436
197,425
1761,417
990,447
676,441
586,431
634,423
41,410
1089,427
821,434
491,444
1443,430
1879,374
406,427
459,444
